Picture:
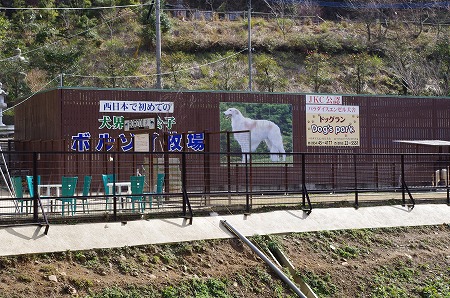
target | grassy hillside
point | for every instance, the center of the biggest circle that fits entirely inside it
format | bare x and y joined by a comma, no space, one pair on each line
116,48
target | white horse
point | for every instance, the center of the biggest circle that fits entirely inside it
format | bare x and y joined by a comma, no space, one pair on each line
260,130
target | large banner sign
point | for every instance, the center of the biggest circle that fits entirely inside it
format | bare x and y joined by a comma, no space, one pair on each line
332,125
319,99
108,106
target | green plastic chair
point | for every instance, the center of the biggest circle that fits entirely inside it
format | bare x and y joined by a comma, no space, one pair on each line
69,185
31,184
137,189
107,178
159,190
86,192
18,189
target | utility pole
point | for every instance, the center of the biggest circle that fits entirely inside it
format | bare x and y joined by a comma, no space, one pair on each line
158,44
249,19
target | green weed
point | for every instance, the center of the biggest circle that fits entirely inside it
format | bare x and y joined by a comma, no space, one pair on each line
320,284
168,257
388,290
143,258
24,278
364,235
169,292
348,252
217,288
387,281
48,269
81,283
125,266
156,259
184,248
436,288
199,288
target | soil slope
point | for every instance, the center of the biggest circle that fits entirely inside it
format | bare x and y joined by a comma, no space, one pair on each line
395,262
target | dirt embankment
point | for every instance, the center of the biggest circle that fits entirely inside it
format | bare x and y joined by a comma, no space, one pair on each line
397,262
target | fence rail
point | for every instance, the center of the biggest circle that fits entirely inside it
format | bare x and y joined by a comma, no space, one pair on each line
190,183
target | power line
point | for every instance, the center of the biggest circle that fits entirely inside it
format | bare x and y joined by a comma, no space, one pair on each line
42,88
74,8
368,5
167,73
164,73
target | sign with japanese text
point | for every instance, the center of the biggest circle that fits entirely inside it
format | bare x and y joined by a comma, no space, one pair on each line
142,142
138,124
323,99
332,125
194,141
82,141
119,106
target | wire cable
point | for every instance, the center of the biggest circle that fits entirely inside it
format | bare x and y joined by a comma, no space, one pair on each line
75,8
164,73
42,88
48,83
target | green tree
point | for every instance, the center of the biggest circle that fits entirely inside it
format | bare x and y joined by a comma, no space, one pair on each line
375,19
47,15
175,63
21,18
317,68
13,75
409,65
148,34
73,21
269,75
112,72
363,66
58,58
227,73
441,57
281,10
5,26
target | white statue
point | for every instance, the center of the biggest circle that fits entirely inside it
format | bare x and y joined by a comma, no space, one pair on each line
2,103
2,91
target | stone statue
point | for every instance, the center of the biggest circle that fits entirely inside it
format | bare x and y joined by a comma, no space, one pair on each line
2,103
2,92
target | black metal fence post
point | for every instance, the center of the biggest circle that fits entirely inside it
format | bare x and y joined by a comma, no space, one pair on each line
286,177
356,181
247,194
115,176
183,181
207,169
186,202
448,196
305,195
402,166
303,181
228,165
35,187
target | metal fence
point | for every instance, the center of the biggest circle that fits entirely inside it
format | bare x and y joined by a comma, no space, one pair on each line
198,183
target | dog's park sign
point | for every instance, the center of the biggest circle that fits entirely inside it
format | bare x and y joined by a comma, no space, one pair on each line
332,124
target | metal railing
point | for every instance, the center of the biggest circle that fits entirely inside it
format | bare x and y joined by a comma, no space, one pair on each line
199,183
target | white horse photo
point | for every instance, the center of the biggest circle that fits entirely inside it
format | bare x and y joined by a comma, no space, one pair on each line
260,130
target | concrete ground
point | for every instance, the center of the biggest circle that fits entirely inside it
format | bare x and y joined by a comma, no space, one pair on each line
31,239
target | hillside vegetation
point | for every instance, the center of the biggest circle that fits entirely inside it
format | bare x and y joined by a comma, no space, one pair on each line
370,52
